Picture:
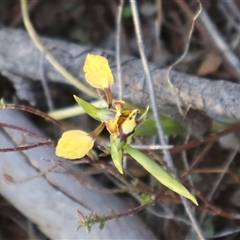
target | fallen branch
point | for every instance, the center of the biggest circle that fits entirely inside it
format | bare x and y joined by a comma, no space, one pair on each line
51,202
218,99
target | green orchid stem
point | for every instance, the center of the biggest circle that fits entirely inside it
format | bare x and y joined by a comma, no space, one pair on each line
116,152
94,134
159,173
2,103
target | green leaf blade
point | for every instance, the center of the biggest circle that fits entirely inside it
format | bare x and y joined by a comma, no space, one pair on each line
170,127
159,173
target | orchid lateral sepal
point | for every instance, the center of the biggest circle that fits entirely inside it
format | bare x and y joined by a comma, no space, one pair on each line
76,144
99,114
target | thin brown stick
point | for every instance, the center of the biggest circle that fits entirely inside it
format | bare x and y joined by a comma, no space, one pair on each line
198,159
216,210
28,146
25,131
219,170
31,110
210,138
83,182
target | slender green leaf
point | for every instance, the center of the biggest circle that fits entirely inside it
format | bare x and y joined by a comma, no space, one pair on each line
148,128
159,173
170,127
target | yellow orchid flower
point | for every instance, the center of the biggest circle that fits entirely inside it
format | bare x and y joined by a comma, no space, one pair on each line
121,125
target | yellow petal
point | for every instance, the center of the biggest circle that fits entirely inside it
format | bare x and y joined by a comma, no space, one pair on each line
74,144
97,71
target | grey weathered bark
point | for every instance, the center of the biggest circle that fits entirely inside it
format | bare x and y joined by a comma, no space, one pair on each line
19,60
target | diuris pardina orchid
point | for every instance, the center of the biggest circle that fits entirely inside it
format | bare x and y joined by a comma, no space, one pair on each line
120,124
